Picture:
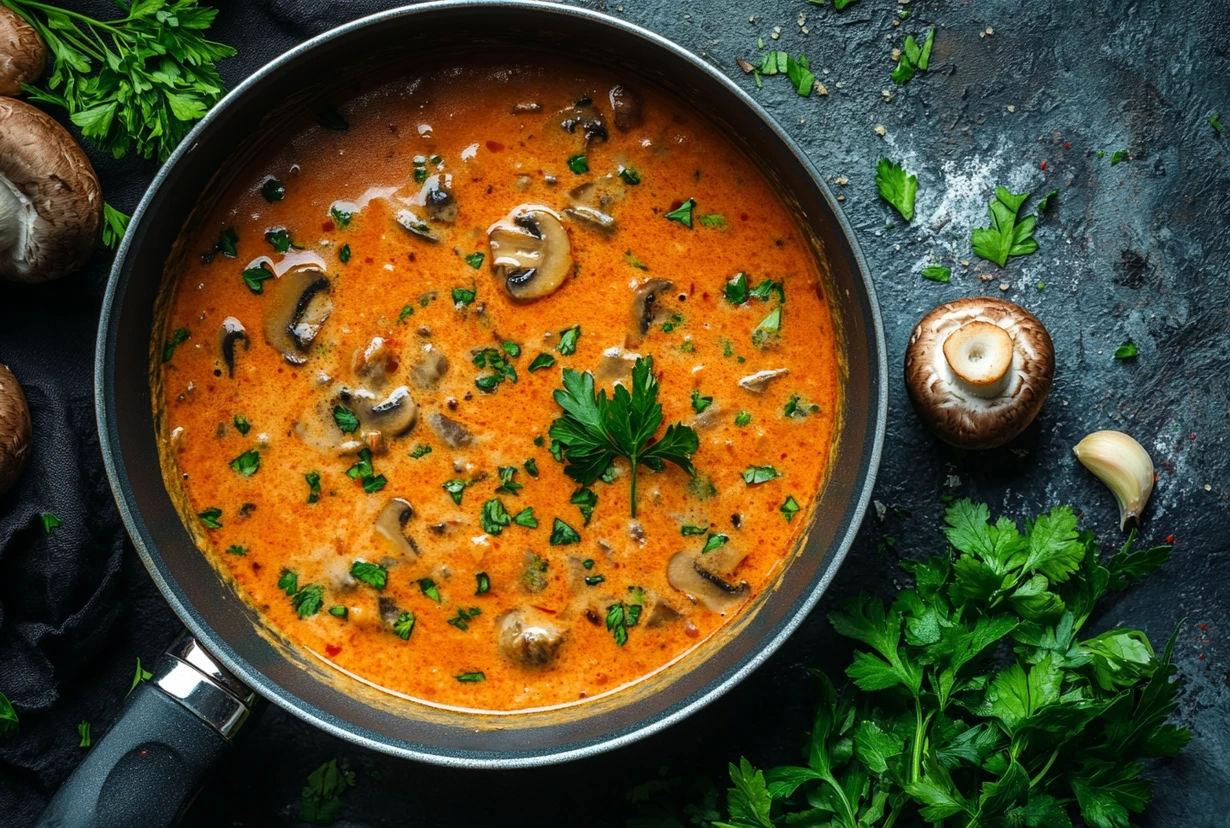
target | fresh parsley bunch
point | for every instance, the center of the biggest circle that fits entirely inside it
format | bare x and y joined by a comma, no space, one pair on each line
977,702
136,84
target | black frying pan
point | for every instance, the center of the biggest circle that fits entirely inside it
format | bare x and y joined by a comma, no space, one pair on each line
173,727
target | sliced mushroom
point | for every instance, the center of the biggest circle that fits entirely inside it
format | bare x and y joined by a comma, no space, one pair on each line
299,305
647,310
526,108
708,418
375,363
415,225
453,433
389,611
616,363
627,107
23,54
529,637
593,219
394,415
978,371
231,333
588,120
530,251
686,574
758,382
439,201
391,525
430,369
16,430
657,611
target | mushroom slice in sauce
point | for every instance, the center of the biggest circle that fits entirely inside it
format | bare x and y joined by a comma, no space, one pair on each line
298,307
438,199
686,574
529,637
586,119
394,415
430,369
415,225
389,611
616,363
530,252
231,333
391,525
758,382
453,433
627,107
647,310
593,219
526,108
375,363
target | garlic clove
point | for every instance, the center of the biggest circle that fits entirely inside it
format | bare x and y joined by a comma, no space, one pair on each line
1123,465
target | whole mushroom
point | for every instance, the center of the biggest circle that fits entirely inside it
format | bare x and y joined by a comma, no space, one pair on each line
23,55
978,371
16,433
50,204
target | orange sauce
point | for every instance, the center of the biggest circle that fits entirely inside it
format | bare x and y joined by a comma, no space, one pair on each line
460,123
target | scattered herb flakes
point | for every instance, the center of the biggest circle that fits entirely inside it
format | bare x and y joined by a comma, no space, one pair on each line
339,612
8,717
619,617
541,361
272,190
736,290
562,534
470,678
343,255
288,582
49,522
247,464
241,424
714,221
83,731
253,277
1118,156
463,296
714,541
1006,236
313,481
483,583
586,500
406,312
341,218
511,348
428,587
237,550
320,802
1215,121
633,261
307,601
767,289
896,187
631,177
404,625
1127,350
798,71
139,676
463,617
494,517
683,213
579,164
913,58
526,518
700,403
280,239
455,489
743,417
420,450
346,419
178,338
374,575
227,245
1045,201
210,518
937,273
754,475
531,467
567,342
594,580
507,484
790,508
798,408
687,530
363,472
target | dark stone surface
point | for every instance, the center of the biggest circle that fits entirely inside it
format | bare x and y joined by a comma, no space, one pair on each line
1139,250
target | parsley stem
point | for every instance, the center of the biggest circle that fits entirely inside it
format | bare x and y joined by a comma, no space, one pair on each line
633,459
89,21
920,725
1045,768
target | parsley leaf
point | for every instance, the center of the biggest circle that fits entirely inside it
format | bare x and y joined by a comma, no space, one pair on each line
494,517
541,361
507,486
428,587
404,625
594,431
210,518
49,522
700,403
178,338
241,424
373,575
346,419
308,600
483,583
8,717
470,678
562,534
937,273
1006,236
754,475
578,164
247,464
1127,350
313,481
790,507
619,617
683,213
896,187
586,500
567,342
320,802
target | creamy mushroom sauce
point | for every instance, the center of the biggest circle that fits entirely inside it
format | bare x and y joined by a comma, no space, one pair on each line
320,382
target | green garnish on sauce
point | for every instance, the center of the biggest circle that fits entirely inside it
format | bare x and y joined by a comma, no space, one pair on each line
683,213
178,338
313,481
562,534
247,464
210,518
428,587
790,508
755,475
541,361
567,341
374,575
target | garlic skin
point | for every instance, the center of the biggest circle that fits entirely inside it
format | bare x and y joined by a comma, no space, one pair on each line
1123,465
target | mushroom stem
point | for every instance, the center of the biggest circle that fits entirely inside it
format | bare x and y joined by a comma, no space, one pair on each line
11,209
980,357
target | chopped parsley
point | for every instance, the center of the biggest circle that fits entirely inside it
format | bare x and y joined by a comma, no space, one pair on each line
1127,350
178,338
483,583
345,419
531,467
588,563
621,616
700,403
210,518
795,407
475,260
455,488
313,481
280,239
683,213
8,717
344,254
428,587
913,58
594,580
254,276
767,327
404,625
896,187
340,217
579,164
798,71
743,417
586,500
688,529
1118,156
937,273
49,521
1214,121
754,475
1045,201
511,348
83,731
1006,236
633,261
374,575
320,802
463,296
714,541
768,289
464,616
507,485
288,582
364,472
241,424
567,342
339,612
562,534
501,370
714,221
226,244
526,518
237,550
790,508
272,190
406,312
308,600
470,678
631,177
541,361
494,517
139,676
421,450
736,289
247,464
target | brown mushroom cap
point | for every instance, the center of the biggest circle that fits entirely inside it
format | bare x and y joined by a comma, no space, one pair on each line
978,371
16,433
23,55
50,204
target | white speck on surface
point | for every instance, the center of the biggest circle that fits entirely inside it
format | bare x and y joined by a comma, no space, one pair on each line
479,540
881,510
952,481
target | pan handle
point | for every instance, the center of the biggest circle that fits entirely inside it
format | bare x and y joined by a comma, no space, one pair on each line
148,767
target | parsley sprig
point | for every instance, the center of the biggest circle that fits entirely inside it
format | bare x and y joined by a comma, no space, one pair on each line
134,84
1008,234
977,701
595,430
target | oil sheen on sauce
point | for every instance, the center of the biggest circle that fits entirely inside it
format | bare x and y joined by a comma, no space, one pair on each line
343,263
